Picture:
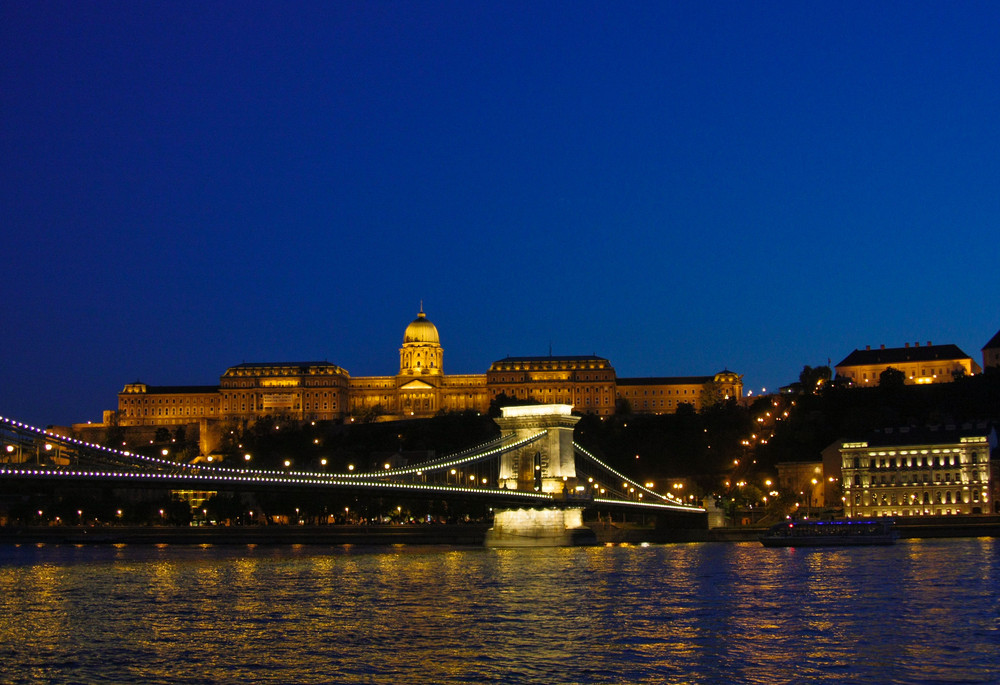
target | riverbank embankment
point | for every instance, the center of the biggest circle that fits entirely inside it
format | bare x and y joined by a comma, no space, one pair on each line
440,534
465,534
908,528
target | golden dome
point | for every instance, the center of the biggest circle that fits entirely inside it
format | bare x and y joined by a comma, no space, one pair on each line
421,330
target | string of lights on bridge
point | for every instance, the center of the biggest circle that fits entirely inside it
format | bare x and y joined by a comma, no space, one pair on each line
464,457
258,479
259,476
624,478
449,462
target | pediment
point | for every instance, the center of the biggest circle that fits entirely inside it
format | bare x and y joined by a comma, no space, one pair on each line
416,385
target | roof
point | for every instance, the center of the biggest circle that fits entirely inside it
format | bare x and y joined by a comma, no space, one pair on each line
924,435
667,380
421,330
180,389
255,365
994,342
562,358
899,355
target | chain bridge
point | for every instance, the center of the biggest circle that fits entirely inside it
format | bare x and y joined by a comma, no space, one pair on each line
535,477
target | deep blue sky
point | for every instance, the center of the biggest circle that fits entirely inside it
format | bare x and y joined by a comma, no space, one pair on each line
676,186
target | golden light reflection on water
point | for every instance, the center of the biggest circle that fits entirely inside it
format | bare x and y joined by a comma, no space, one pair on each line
678,613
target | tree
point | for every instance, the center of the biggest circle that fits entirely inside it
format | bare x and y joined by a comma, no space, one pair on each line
505,400
685,409
891,378
711,395
372,414
812,379
115,435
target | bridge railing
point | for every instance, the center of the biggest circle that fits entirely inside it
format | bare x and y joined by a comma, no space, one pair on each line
628,483
444,463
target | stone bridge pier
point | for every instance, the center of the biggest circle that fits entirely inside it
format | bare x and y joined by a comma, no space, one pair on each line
545,465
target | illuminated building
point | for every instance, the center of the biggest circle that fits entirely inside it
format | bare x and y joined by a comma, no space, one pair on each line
991,353
320,391
586,383
421,387
920,365
314,390
664,395
912,472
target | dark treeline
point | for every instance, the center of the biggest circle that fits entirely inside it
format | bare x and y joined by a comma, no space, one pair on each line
843,413
271,441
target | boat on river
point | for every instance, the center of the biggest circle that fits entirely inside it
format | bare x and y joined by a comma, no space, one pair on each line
830,533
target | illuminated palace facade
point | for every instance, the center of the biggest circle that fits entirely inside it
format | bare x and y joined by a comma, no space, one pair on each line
323,391
920,365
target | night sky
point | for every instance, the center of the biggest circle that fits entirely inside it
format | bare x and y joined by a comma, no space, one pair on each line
676,186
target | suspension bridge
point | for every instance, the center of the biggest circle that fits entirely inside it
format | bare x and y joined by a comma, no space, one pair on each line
534,476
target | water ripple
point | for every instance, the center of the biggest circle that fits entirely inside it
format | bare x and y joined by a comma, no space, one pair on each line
918,612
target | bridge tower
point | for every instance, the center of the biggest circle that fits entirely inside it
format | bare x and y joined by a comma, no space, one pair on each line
545,465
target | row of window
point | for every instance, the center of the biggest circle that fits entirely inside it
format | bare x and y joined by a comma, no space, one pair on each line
646,404
554,367
238,396
905,368
635,393
170,400
170,411
917,478
939,497
913,462
289,371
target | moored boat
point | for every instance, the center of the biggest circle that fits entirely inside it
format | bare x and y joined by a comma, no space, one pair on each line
830,533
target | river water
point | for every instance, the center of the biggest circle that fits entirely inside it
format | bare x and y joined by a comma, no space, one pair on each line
921,611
